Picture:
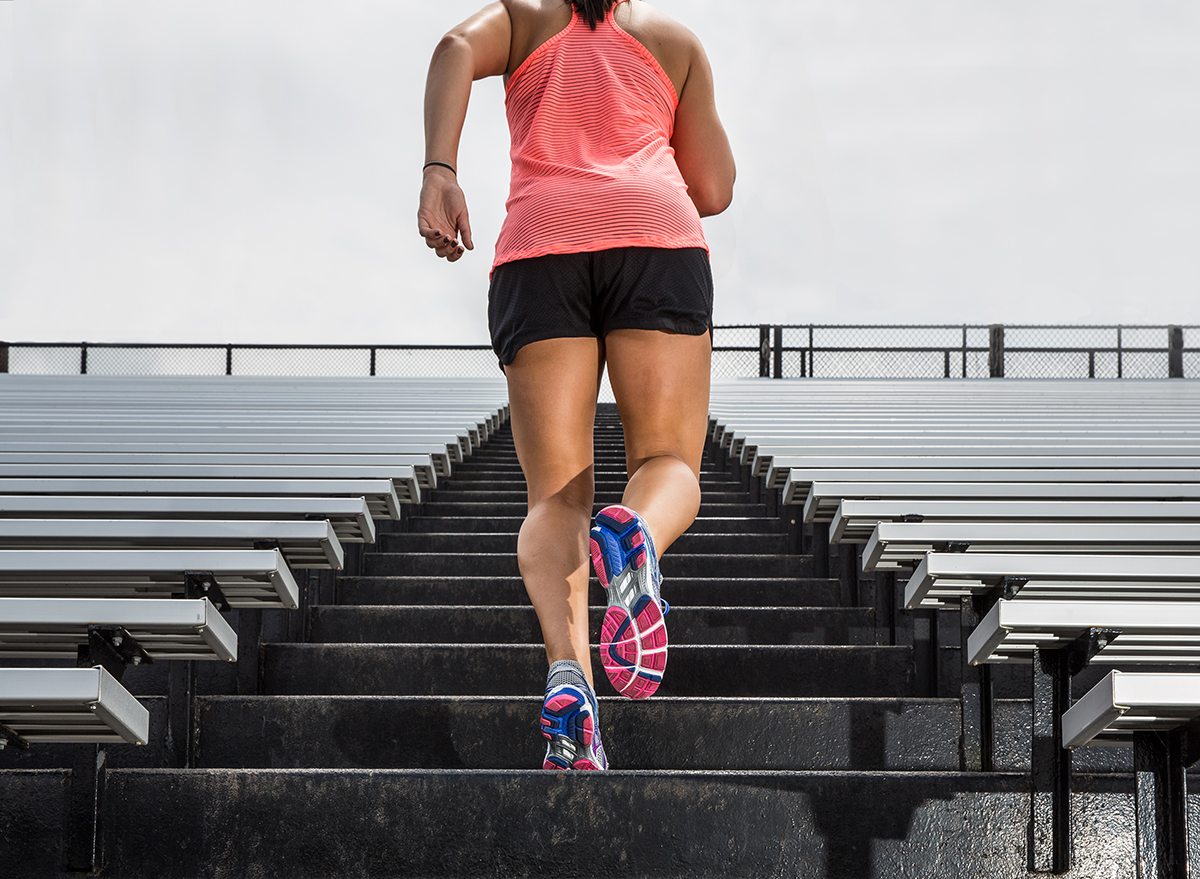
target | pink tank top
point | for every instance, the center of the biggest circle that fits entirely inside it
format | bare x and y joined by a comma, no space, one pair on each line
591,115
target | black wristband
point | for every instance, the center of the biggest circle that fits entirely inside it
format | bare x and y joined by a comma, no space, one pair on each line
442,165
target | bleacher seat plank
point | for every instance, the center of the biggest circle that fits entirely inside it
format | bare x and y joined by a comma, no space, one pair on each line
1126,702
79,705
902,545
1159,632
304,544
855,518
383,496
401,469
349,516
796,475
177,628
250,578
821,500
948,576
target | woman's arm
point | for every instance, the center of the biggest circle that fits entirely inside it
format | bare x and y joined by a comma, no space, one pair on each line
477,48
701,146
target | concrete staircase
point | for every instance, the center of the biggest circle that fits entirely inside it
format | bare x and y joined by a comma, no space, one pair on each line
400,736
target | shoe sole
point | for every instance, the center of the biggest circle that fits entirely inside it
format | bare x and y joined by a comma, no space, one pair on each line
568,727
633,636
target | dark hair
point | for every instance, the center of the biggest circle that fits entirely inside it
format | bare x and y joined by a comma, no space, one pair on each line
593,10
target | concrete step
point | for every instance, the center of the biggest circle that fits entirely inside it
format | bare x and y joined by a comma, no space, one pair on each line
520,669
516,494
501,542
512,524
519,625
514,481
455,823
502,564
500,510
488,732
760,592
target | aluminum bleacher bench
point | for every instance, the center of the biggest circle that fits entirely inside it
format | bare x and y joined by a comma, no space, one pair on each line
795,475
822,497
1123,703
304,544
53,628
69,705
945,577
760,457
469,435
1159,632
398,468
15,450
251,578
349,516
903,545
383,496
856,519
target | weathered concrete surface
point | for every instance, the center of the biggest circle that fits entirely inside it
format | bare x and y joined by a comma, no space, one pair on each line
31,823
508,669
472,732
411,823
506,624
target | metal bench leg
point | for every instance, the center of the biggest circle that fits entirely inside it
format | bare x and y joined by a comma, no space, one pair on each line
1160,798
976,740
1050,795
84,795
820,549
181,691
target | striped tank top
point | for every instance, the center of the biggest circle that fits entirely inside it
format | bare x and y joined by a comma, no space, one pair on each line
591,115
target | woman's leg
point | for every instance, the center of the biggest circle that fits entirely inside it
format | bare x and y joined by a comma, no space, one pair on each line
661,383
552,389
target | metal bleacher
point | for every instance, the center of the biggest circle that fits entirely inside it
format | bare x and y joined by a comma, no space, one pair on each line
134,510
1061,519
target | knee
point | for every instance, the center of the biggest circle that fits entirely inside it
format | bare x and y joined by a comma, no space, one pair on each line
575,496
669,459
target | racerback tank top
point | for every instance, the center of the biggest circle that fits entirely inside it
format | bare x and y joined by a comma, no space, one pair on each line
591,115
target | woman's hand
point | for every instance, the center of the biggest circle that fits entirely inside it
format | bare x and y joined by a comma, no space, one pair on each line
443,214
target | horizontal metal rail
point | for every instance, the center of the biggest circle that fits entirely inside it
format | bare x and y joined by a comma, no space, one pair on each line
783,351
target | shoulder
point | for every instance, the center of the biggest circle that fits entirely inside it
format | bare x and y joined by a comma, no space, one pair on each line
674,46
532,12
647,22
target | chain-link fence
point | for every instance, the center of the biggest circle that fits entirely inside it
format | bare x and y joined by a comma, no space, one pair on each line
960,351
745,350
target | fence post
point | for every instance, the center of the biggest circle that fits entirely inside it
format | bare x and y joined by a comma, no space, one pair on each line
83,358
764,351
229,360
996,351
778,351
1175,352
3,358
372,361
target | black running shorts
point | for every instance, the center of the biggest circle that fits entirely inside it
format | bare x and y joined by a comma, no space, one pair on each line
591,294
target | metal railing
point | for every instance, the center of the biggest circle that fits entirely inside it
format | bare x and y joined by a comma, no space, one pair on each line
740,350
958,351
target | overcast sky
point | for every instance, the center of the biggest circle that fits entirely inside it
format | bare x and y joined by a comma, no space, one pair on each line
247,170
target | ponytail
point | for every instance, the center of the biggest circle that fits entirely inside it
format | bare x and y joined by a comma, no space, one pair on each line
593,10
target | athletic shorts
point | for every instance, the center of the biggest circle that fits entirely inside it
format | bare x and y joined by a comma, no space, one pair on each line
574,295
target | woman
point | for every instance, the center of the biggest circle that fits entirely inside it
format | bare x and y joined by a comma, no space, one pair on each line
617,152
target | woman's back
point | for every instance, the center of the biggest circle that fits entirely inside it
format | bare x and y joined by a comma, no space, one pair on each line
591,113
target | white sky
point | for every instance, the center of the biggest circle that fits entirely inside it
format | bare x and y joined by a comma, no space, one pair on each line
247,170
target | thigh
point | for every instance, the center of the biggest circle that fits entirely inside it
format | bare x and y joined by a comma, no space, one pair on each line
661,381
552,390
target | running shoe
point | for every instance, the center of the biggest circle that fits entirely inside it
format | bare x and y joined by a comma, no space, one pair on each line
633,636
570,721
